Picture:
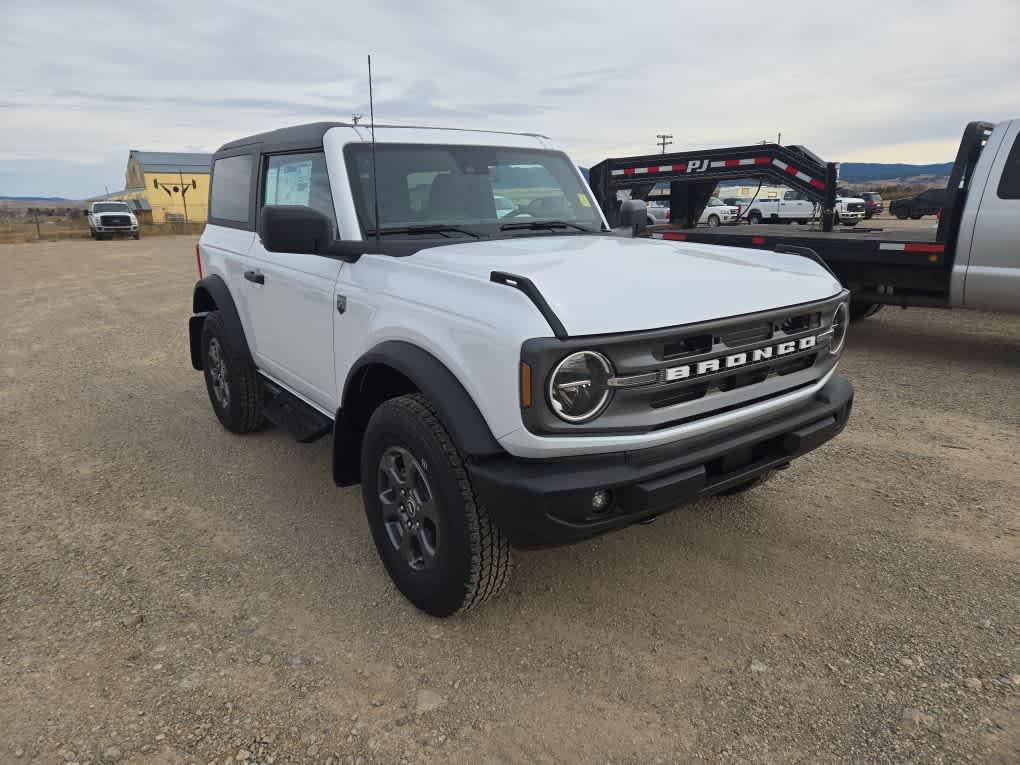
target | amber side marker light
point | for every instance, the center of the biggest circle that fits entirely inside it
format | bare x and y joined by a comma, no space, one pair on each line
525,385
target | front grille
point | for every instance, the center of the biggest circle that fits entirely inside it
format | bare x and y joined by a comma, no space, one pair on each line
855,207
699,369
748,333
116,220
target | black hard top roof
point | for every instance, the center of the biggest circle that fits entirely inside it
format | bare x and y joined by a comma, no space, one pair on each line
309,136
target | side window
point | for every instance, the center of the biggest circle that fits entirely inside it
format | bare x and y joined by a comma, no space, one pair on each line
231,188
789,195
299,179
1009,183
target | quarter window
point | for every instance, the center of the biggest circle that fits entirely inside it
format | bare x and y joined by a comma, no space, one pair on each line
301,180
231,186
1009,183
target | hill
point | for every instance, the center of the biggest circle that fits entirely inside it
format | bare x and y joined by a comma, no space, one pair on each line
869,172
34,199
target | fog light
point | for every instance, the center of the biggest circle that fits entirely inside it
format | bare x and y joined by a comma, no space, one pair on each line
600,500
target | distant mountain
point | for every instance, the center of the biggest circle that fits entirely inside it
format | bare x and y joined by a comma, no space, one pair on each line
35,199
868,172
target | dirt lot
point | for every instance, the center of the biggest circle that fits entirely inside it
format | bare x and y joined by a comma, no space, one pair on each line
171,593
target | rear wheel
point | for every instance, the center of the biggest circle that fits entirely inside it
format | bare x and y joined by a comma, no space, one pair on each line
901,215
915,217
435,539
230,378
754,218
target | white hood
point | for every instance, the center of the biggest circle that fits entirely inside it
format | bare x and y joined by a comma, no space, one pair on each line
606,284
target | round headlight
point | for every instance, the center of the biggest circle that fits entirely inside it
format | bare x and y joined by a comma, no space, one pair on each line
840,322
579,386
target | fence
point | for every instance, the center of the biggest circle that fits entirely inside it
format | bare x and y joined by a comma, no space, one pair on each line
54,230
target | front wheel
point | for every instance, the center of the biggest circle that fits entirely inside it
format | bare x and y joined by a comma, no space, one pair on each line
859,311
435,539
901,216
713,221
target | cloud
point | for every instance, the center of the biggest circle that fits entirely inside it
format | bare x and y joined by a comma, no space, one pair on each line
82,82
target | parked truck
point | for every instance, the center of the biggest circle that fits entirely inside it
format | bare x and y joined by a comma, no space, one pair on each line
497,378
971,260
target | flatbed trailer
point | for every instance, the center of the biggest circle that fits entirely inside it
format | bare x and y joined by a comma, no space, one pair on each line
880,267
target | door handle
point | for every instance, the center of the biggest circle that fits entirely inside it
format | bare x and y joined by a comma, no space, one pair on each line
255,276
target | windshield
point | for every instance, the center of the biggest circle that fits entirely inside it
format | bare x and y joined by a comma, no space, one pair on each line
715,202
110,207
476,189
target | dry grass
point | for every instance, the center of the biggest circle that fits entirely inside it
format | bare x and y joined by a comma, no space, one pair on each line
52,231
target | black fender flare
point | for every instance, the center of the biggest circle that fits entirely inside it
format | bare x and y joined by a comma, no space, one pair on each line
212,294
454,406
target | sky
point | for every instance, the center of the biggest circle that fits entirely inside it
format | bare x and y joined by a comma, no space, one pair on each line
83,82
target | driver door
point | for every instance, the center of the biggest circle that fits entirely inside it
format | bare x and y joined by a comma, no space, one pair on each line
292,294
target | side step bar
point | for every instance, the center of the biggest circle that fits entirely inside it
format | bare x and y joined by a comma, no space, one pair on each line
287,412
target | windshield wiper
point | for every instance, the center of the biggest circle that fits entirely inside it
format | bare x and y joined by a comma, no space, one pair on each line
438,229
538,225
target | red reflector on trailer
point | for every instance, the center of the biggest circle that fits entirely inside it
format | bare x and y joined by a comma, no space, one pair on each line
733,163
674,236
922,247
757,240
791,170
681,168
817,183
762,160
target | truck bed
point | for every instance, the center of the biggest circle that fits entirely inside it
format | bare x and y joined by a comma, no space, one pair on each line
908,261
873,244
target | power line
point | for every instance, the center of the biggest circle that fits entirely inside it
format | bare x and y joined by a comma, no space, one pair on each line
664,140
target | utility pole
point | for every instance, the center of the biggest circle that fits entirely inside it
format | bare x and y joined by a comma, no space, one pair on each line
779,138
664,140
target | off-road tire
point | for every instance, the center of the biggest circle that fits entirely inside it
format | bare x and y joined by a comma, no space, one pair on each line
740,488
473,558
243,411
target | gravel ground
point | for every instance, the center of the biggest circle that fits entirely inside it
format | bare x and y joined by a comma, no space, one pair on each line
170,593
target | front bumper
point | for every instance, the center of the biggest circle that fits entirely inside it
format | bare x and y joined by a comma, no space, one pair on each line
542,503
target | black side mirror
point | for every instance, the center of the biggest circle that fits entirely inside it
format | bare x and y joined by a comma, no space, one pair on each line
291,228
634,215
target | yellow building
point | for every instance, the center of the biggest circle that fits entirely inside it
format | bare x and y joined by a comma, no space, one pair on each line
174,186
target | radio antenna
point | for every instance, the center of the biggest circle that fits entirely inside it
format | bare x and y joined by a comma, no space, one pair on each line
375,175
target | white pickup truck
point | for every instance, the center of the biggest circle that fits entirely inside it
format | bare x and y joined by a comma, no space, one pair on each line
492,377
791,207
110,219
794,207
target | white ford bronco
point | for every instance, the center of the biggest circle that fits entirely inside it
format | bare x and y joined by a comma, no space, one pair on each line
492,364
